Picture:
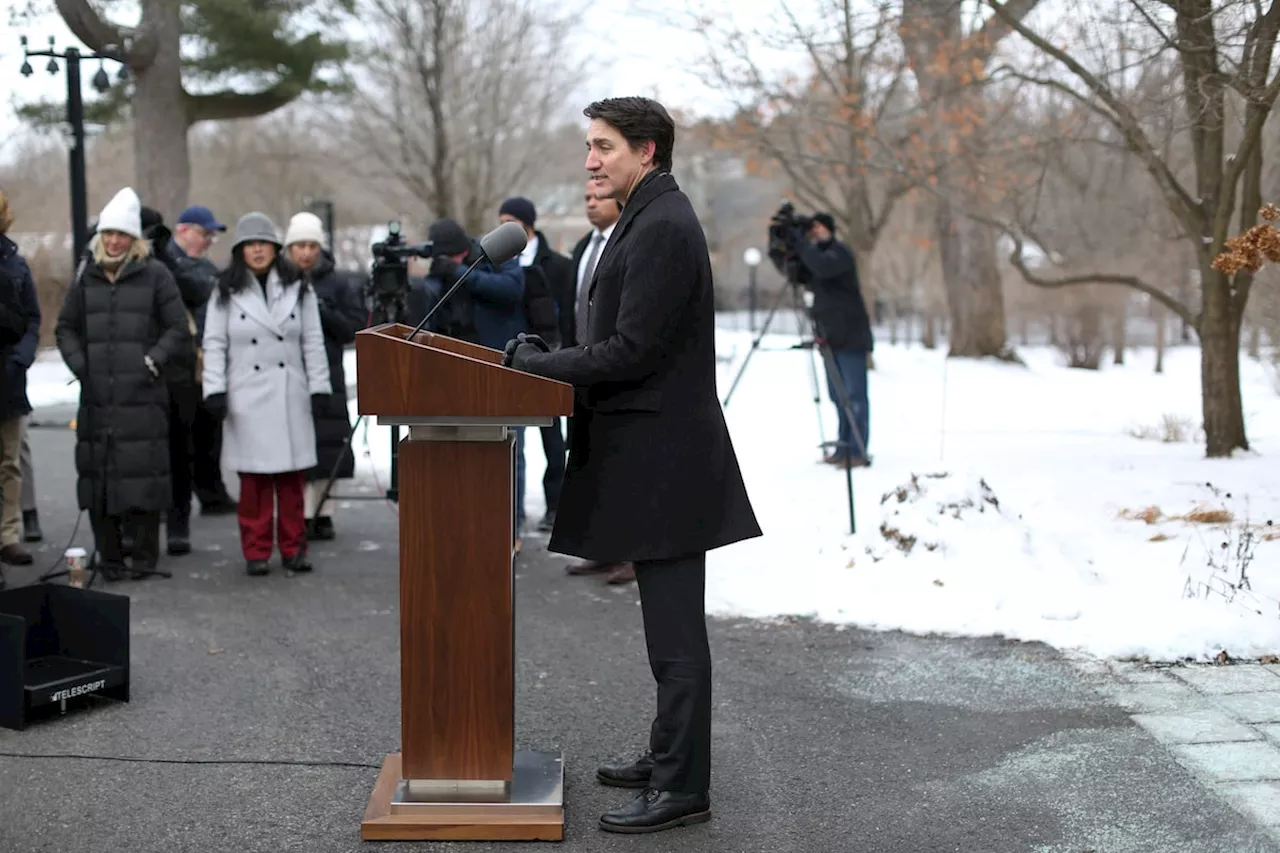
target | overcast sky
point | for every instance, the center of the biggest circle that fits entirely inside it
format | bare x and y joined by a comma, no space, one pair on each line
637,55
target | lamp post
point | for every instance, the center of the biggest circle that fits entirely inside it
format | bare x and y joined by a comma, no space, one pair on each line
75,130
751,257
323,208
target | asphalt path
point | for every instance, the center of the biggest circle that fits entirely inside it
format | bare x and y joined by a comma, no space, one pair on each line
825,739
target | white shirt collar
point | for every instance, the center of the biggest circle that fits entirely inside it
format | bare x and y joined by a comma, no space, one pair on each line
530,252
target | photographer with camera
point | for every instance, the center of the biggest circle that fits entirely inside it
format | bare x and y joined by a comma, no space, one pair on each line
827,267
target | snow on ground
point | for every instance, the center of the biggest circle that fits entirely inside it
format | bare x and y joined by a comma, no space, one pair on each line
1021,501
1024,535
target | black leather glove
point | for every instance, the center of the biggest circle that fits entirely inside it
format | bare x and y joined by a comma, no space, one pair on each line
319,402
534,340
509,351
216,405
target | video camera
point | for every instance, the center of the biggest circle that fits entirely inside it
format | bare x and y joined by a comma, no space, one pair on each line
389,279
785,229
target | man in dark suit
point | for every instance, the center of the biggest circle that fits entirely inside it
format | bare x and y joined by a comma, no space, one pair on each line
652,475
603,215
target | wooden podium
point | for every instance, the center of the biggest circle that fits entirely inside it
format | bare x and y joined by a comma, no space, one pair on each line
458,775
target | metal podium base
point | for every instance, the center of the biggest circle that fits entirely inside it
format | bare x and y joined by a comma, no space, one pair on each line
532,809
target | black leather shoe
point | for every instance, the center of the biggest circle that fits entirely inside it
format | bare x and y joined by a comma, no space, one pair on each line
631,774
297,563
257,567
654,811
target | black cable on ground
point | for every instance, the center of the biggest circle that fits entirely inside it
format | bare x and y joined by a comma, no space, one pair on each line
224,761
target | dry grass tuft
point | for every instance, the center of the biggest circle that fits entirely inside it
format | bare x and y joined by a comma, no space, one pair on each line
1150,515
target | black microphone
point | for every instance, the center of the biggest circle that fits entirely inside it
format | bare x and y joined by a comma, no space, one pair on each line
498,246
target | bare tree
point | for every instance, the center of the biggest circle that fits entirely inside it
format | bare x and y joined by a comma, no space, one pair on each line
830,130
949,59
460,100
1225,51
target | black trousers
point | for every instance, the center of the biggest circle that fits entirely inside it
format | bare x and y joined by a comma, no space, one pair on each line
673,604
206,456
183,400
556,452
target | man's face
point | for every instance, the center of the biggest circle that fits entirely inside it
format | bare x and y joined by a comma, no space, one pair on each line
304,253
116,243
194,240
614,165
507,217
601,212
818,233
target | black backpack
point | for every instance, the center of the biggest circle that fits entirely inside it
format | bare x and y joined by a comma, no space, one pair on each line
540,309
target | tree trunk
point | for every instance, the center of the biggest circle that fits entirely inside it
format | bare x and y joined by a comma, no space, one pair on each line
1160,334
1222,404
975,296
1024,328
929,336
1255,340
160,119
1120,334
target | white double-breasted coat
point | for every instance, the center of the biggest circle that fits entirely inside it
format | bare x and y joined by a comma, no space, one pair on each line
268,357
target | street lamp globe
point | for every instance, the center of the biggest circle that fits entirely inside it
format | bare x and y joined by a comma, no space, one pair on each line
751,257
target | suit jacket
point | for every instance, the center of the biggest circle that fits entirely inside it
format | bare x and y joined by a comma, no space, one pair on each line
652,473
568,329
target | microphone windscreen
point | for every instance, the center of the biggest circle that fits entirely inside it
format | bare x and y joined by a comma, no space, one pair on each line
504,242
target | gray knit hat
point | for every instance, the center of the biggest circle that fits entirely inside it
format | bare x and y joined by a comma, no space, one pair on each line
256,226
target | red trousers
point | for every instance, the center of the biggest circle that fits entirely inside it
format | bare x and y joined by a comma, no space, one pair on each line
259,494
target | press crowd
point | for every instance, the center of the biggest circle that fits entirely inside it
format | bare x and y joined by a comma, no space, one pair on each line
186,370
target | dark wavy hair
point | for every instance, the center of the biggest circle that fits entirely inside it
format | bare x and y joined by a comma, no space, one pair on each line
235,277
639,120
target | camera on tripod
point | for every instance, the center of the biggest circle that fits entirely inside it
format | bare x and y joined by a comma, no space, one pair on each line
786,229
389,279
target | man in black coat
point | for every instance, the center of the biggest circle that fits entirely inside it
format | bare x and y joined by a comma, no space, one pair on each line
652,475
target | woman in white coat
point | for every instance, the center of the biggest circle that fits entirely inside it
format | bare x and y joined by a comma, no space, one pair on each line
265,372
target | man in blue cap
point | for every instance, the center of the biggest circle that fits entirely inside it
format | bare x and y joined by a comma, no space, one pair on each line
193,235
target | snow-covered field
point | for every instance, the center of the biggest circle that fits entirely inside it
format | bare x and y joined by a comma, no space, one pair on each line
1026,532
1036,502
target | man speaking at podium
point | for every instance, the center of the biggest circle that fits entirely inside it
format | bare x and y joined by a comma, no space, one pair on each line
652,476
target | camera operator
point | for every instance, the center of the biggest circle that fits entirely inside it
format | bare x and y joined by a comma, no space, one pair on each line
840,319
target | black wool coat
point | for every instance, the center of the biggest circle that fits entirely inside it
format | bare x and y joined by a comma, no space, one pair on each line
652,473
104,332
341,316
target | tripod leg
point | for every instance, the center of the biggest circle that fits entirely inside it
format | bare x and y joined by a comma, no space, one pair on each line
333,472
804,325
755,344
842,393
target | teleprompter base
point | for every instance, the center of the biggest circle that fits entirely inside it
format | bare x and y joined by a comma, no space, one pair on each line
532,811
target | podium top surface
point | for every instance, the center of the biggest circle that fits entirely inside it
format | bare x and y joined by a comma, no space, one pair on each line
436,376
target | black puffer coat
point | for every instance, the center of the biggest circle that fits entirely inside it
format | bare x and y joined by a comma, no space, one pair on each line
105,332
341,316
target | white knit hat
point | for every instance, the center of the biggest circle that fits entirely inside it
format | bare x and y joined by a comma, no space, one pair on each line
305,227
123,213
